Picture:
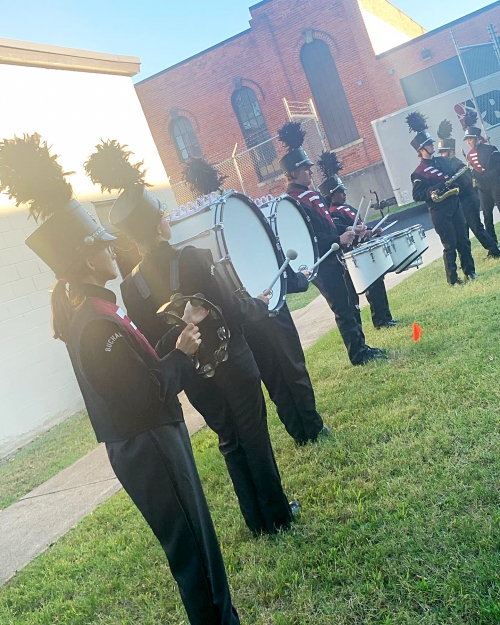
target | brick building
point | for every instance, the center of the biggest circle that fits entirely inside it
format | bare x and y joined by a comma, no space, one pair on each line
358,60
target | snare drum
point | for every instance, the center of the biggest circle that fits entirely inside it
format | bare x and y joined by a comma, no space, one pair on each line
401,246
367,263
293,230
418,234
242,243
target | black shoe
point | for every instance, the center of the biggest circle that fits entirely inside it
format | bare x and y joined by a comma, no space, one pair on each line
494,252
376,350
387,324
457,282
471,276
373,354
294,507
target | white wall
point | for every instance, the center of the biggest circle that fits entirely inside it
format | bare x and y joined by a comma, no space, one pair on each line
73,111
383,36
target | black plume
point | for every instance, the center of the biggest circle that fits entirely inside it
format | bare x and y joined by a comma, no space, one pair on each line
329,164
445,129
202,177
31,176
292,135
470,117
110,167
416,122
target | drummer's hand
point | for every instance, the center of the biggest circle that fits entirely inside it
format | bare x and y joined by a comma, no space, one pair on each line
376,232
360,230
265,297
347,238
189,340
194,314
307,273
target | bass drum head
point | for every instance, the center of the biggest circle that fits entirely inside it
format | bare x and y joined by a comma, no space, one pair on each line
251,245
295,232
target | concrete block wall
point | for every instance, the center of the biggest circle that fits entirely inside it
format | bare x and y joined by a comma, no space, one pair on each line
37,385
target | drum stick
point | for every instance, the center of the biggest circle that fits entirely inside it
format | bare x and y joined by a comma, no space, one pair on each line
390,225
357,214
290,255
381,222
334,248
366,214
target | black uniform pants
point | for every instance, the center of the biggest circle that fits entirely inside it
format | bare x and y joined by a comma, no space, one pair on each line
379,304
158,471
471,205
489,192
233,406
276,347
335,284
450,225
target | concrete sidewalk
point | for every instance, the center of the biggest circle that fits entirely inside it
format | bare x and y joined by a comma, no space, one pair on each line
31,525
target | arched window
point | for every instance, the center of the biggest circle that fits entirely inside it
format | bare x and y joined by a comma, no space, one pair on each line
328,93
256,133
184,138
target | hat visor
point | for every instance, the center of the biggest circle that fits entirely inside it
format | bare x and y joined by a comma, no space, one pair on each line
426,142
306,161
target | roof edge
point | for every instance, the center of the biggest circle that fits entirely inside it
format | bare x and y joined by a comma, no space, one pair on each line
13,52
190,58
429,33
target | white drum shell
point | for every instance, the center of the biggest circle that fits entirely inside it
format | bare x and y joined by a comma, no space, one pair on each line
417,232
401,246
293,230
242,246
368,263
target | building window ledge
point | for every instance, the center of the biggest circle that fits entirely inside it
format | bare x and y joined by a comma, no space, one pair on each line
348,145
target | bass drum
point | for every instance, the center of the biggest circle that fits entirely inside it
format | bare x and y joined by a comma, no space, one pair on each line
242,243
293,230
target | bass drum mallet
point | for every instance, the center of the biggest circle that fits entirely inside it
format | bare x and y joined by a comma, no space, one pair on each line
290,255
333,248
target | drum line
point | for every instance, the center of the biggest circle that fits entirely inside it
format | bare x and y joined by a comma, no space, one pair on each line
366,263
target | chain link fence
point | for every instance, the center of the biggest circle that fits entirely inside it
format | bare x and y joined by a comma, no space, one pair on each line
256,171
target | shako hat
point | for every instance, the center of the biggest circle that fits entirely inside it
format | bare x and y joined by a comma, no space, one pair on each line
292,136
446,142
136,212
471,130
330,166
31,176
418,123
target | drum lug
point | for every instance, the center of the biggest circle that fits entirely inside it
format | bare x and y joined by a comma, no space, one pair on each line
224,259
218,227
373,257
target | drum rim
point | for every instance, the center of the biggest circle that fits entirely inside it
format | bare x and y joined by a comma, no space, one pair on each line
224,251
314,240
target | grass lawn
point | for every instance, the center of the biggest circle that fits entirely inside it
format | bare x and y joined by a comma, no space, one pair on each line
46,456
401,506
300,300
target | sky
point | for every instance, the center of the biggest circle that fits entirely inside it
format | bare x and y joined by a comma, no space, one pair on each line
164,32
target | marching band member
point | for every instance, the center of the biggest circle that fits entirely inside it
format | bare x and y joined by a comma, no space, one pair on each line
468,196
428,182
231,401
275,343
343,215
130,394
485,160
333,280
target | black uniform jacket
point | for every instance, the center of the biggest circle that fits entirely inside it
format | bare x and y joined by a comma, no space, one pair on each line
485,160
430,175
127,389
